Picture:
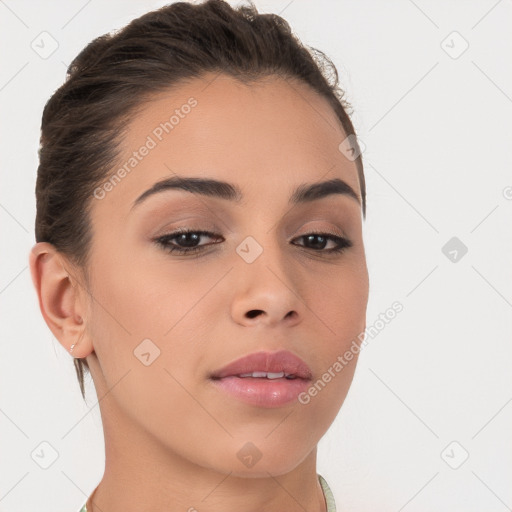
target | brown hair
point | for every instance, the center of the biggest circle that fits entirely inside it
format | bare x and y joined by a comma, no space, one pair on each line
115,73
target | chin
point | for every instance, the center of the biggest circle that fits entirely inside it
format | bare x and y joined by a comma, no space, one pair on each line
251,462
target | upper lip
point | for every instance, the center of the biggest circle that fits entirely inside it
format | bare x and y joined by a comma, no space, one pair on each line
270,362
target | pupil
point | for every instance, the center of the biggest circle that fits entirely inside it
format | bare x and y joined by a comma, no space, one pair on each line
322,240
183,238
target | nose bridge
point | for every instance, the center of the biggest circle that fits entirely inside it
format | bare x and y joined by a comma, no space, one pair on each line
263,235
261,250
265,284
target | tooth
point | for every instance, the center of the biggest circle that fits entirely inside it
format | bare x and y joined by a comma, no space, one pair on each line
268,375
275,375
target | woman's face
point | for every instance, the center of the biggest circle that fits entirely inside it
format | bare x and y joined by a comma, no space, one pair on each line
163,322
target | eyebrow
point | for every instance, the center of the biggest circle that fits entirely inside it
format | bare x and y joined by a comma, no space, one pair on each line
305,192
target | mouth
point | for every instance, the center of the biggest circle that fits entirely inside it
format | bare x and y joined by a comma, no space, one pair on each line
264,379
268,365
269,375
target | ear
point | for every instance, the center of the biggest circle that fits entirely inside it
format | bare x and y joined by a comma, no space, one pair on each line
61,298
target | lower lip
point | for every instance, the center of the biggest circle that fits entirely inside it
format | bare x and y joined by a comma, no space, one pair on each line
263,392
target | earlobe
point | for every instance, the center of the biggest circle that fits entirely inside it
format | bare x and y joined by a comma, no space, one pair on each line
59,299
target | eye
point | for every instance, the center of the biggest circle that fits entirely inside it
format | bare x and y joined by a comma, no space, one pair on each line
187,238
318,241
186,241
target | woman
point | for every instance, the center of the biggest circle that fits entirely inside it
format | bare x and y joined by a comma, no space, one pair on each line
200,198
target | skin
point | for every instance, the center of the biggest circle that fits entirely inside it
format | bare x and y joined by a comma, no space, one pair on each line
171,438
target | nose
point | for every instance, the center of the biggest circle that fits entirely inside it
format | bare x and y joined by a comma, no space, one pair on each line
267,291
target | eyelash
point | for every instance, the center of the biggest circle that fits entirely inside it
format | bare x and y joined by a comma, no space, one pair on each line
163,241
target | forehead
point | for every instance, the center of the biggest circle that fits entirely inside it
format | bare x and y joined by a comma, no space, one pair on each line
266,136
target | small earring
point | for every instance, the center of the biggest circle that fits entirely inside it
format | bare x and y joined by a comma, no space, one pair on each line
75,344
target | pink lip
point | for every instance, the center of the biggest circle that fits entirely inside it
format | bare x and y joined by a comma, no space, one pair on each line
281,361
264,392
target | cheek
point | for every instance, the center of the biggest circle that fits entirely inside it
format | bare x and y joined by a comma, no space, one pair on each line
143,298
146,313
341,310
340,302
142,333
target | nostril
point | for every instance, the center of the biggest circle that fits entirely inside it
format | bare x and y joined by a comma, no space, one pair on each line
254,312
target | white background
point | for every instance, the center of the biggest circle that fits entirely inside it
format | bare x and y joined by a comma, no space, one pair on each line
437,132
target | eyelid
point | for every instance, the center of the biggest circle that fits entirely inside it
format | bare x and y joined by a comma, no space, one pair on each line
315,229
189,225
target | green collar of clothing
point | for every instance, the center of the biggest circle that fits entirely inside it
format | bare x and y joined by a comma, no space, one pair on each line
329,498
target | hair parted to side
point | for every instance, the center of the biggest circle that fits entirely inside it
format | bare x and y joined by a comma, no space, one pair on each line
83,122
